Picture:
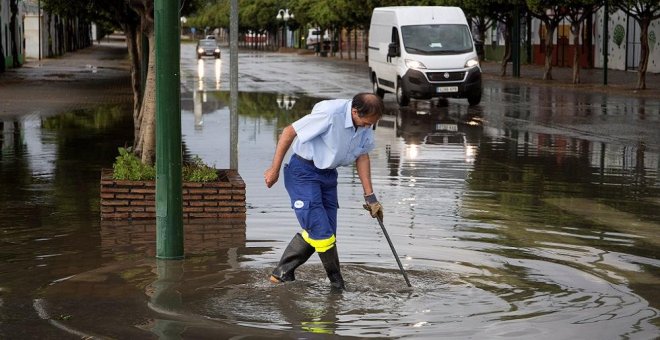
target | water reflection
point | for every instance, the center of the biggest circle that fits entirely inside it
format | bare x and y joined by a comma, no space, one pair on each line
125,239
201,74
285,101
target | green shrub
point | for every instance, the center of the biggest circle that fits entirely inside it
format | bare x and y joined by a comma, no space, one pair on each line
197,171
128,167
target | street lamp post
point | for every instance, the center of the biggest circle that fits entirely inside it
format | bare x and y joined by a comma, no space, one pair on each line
283,14
184,20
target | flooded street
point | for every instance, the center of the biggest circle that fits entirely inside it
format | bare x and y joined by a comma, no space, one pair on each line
532,215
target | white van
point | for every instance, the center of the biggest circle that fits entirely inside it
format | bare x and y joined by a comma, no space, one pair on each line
423,52
314,37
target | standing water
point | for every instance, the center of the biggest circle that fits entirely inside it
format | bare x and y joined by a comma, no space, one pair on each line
534,215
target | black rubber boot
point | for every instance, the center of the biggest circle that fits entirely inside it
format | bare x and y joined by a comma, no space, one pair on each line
296,253
330,261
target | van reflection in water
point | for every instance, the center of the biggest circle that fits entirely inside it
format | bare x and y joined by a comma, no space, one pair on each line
432,135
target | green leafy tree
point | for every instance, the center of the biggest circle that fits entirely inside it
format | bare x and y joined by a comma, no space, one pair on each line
550,12
485,14
577,12
643,11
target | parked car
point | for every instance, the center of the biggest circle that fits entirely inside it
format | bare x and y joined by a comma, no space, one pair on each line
208,48
315,36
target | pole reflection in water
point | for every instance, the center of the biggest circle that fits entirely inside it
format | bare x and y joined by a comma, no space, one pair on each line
197,109
165,298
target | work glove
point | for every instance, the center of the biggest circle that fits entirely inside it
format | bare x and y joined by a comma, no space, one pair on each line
373,206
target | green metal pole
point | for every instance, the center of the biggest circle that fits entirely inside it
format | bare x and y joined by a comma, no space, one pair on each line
233,85
169,198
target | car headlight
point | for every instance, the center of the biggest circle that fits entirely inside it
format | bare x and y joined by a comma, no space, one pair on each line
472,62
200,50
217,50
414,64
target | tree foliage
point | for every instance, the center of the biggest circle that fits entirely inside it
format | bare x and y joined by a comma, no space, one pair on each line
643,11
551,13
577,12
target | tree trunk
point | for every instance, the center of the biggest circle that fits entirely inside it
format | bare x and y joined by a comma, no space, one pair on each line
49,21
547,74
341,43
2,58
644,56
589,34
132,42
481,31
575,30
365,38
348,43
147,139
355,44
13,6
507,47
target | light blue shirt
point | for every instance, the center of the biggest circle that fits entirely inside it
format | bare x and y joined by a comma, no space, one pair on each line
328,137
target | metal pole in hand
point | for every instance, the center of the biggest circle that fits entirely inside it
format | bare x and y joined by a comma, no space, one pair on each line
396,256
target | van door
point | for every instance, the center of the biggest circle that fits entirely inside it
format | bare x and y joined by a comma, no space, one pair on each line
393,58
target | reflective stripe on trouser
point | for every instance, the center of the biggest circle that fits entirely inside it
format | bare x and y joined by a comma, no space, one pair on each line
313,194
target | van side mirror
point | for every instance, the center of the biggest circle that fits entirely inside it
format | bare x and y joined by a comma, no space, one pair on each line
393,50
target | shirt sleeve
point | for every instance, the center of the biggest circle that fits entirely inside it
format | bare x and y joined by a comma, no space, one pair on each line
313,124
369,142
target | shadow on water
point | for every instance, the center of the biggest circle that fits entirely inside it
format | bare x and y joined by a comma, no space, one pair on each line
512,220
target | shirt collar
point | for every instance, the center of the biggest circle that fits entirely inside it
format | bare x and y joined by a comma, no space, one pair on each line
348,123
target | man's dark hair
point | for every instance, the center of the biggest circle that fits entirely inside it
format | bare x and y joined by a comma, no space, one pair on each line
368,104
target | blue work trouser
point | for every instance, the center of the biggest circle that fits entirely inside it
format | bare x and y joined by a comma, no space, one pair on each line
313,194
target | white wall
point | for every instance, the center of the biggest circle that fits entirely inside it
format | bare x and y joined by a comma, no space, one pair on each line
617,52
32,36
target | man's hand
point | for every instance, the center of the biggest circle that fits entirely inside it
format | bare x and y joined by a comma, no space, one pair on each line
271,176
373,206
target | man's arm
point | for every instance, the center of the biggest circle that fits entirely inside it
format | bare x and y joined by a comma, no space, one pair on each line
363,164
286,138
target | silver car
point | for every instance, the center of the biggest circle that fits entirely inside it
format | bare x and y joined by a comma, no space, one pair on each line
208,48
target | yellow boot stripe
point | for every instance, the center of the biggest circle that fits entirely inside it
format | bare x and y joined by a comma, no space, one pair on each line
321,246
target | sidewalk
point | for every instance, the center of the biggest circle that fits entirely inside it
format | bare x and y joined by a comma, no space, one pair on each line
88,77
591,80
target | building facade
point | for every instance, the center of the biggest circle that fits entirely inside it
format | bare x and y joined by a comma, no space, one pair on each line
38,34
623,43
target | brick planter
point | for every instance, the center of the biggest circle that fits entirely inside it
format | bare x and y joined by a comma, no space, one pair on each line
136,200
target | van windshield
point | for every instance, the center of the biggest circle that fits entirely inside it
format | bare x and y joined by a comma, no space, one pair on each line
436,39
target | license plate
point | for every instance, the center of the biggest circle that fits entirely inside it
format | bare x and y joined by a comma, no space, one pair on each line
447,89
446,127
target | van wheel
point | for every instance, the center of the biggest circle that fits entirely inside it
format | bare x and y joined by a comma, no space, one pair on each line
377,90
401,98
474,99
